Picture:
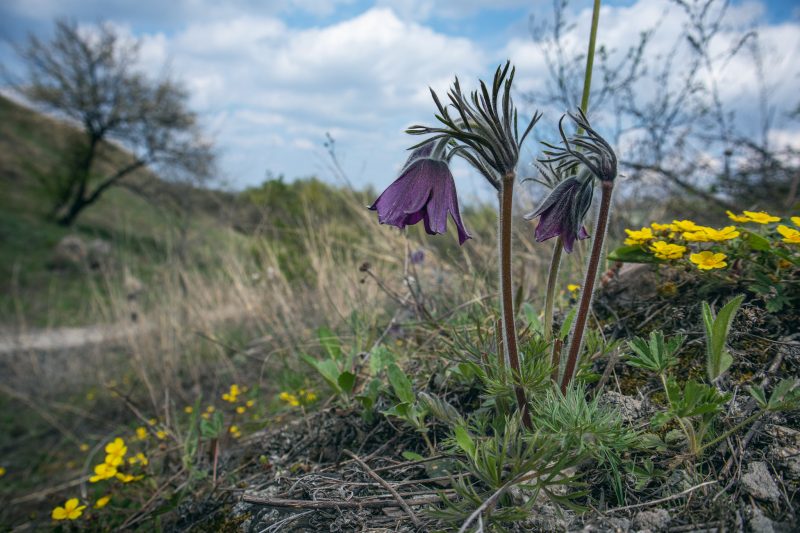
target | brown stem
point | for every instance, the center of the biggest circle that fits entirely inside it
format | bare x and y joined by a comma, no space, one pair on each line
588,285
507,292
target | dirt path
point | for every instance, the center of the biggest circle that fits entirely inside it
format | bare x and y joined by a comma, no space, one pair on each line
59,339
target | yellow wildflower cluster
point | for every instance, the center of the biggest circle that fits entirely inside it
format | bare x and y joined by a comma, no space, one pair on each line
573,288
115,457
232,396
303,397
684,233
235,432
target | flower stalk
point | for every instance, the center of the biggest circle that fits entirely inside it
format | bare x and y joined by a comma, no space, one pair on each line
576,343
510,350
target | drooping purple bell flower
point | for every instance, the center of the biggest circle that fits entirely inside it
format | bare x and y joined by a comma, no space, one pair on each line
424,191
563,211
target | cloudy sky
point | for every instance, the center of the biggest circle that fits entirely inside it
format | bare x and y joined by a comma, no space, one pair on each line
269,78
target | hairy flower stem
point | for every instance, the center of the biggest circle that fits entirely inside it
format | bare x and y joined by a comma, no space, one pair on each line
507,293
588,285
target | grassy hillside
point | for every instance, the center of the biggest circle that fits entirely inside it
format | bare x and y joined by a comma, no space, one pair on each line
143,234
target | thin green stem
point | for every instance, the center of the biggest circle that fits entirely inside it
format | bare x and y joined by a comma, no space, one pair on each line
749,420
507,292
552,279
555,262
588,284
587,75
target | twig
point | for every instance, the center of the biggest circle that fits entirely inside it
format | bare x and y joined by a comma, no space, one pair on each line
662,500
332,504
385,485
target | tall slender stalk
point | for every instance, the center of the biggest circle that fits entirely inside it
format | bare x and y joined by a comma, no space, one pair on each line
550,296
507,292
555,262
588,284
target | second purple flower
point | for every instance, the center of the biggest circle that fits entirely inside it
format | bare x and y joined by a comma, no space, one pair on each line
563,211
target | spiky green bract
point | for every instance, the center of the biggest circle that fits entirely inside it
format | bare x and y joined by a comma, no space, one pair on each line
485,128
585,427
497,456
594,152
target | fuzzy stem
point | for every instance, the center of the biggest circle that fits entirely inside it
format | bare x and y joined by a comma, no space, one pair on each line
552,279
588,284
507,292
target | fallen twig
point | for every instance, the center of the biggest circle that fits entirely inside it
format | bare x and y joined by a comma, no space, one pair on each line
662,500
385,485
333,504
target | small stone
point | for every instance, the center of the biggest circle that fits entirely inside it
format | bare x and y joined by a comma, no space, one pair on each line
629,408
759,523
70,252
759,484
655,520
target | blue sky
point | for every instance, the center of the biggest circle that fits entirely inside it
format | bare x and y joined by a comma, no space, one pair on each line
269,79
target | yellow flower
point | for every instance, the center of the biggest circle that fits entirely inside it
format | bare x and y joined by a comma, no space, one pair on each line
697,236
141,433
2,471
161,434
684,225
796,221
139,458
102,502
115,451
250,403
103,471
572,287
708,260
737,218
83,447
660,227
310,397
759,217
188,409
127,478
665,250
638,237
725,234
153,421
71,510
233,394
205,416
790,235
241,409
235,432
210,409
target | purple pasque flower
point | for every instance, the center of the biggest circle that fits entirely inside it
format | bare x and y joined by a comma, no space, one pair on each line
563,211
424,191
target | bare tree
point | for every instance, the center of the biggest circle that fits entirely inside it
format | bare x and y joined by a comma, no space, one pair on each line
91,77
679,133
